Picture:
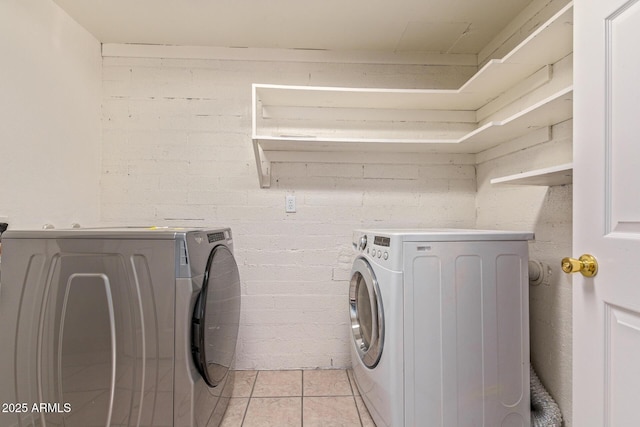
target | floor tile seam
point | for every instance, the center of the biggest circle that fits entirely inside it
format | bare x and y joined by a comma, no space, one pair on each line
333,395
328,395
296,397
277,396
246,408
253,386
244,413
353,385
282,396
355,402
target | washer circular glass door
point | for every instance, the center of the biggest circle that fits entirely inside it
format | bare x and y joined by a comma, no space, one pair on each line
216,317
365,309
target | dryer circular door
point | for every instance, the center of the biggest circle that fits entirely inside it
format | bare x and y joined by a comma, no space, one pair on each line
216,317
366,311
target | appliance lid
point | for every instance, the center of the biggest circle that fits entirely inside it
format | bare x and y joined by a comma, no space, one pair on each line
151,233
448,234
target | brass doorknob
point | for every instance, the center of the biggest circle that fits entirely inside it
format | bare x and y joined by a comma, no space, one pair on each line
586,264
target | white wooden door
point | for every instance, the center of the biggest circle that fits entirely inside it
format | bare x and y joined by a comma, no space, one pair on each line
606,308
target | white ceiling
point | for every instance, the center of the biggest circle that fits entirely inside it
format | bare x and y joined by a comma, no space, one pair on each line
447,26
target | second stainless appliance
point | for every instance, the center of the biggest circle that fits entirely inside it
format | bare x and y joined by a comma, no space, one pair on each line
126,327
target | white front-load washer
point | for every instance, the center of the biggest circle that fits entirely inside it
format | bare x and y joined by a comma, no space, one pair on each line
440,327
118,327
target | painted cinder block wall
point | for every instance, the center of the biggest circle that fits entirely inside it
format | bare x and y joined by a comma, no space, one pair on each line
177,150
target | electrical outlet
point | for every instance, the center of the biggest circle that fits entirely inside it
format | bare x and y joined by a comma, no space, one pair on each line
290,203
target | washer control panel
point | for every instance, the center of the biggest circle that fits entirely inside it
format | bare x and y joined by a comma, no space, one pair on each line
377,247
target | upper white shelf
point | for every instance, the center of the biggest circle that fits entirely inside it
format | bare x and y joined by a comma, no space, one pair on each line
551,42
311,118
551,110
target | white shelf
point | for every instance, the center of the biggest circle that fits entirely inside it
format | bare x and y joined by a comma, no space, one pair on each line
551,110
555,175
310,118
551,42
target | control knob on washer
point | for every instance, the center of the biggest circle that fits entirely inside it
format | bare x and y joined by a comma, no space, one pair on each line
363,242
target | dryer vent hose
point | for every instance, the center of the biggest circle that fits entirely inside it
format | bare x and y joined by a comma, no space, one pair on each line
544,410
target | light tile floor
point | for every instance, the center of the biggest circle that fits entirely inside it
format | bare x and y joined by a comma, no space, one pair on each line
322,398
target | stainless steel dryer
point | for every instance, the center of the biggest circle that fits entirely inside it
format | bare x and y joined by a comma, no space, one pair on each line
117,327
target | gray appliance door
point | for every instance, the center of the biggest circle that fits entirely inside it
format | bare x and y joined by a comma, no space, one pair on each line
216,317
366,311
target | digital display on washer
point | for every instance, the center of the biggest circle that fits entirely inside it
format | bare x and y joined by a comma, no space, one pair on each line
381,241
214,237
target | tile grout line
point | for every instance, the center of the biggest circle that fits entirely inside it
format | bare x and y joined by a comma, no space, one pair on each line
246,409
353,395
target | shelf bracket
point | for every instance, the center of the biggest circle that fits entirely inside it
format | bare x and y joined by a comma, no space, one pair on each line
263,165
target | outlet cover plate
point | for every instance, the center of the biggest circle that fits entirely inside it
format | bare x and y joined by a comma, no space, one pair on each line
290,203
